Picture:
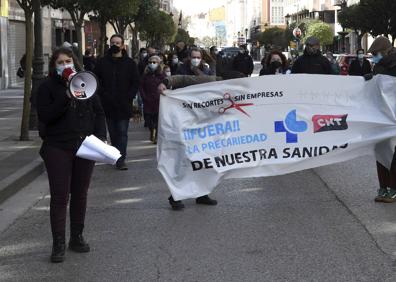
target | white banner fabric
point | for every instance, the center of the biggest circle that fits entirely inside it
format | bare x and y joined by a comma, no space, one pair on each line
271,125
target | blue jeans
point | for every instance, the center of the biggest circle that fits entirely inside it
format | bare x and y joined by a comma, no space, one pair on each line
118,130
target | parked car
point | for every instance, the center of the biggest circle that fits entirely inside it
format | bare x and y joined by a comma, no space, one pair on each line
344,61
230,52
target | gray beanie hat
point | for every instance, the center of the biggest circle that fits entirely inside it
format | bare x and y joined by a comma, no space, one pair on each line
312,40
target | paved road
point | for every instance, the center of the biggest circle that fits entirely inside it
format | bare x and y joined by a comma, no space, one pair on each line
304,226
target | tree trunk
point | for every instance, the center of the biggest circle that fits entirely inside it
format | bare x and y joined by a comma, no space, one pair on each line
38,63
135,43
115,26
28,78
79,26
121,29
102,40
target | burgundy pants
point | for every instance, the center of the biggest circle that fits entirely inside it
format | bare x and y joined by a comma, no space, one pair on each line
67,174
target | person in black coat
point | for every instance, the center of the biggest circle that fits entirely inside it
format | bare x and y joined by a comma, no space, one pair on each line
118,84
174,63
143,56
89,60
194,64
274,63
182,51
64,123
360,66
243,62
312,61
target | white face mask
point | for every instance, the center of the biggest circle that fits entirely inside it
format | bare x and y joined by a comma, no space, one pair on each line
61,68
153,67
168,73
195,62
175,61
360,56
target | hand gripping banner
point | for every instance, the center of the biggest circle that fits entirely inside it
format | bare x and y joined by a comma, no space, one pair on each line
271,125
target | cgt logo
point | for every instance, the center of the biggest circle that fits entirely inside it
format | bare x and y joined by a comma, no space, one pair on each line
324,123
291,126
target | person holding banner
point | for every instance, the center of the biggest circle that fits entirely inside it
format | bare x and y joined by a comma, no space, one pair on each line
194,64
179,81
384,58
64,122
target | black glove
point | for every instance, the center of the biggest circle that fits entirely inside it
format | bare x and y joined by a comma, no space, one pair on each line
368,76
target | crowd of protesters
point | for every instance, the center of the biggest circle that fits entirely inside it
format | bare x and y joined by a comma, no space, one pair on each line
64,123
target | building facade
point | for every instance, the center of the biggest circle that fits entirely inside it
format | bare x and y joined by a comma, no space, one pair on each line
166,5
57,28
3,44
276,13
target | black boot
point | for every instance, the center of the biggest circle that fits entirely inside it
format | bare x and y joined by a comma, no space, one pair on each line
205,200
176,205
151,135
58,249
121,165
155,136
77,242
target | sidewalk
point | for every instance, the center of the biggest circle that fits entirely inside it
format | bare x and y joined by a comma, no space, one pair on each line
19,160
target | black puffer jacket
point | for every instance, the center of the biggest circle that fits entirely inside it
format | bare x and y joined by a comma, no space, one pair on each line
312,64
387,65
243,63
65,122
359,70
118,85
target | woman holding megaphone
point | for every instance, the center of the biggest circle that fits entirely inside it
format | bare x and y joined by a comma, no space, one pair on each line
65,121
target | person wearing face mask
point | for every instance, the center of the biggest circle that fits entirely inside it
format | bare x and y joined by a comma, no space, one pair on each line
275,63
312,61
167,71
142,63
118,78
194,64
64,122
174,63
153,76
384,58
360,66
243,62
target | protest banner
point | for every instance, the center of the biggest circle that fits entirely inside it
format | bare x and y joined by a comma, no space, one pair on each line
271,125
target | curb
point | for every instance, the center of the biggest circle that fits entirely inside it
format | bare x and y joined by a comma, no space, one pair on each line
19,179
